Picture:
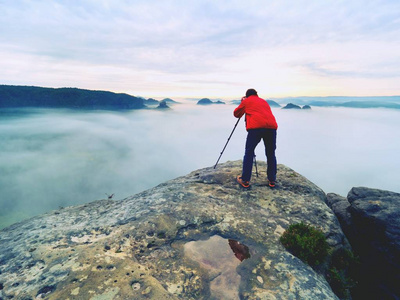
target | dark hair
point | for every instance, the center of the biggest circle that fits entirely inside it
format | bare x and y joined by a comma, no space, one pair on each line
251,92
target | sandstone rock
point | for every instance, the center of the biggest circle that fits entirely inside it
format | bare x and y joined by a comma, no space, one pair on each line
340,205
183,239
370,218
379,207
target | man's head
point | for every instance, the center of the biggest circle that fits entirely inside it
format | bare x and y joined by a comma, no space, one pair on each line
251,92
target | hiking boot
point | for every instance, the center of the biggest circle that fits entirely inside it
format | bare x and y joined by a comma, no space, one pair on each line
271,183
244,184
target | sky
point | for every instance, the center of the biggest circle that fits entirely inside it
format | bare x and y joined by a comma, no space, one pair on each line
194,48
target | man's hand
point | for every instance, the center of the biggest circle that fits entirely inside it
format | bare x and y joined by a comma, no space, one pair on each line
243,98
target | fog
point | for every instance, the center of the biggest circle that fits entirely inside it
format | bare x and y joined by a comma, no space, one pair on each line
57,158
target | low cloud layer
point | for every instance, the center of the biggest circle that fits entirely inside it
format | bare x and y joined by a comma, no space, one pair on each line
59,158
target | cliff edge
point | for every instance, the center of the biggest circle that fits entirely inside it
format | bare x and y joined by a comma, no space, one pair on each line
199,236
370,218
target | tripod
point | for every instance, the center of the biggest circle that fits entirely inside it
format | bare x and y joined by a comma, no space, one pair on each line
226,143
255,161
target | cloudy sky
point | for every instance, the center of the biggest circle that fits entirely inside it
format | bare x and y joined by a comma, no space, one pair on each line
204,48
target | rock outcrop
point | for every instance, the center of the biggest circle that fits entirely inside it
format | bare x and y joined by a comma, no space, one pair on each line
199,236
291,106
370,218
206,101
163,105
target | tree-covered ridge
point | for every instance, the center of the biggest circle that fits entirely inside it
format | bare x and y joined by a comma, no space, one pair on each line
30,96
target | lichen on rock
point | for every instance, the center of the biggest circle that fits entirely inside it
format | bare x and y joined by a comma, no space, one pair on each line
135,248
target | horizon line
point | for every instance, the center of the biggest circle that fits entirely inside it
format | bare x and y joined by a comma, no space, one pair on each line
200,97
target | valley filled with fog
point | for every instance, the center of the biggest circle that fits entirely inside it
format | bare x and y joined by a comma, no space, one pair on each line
57,158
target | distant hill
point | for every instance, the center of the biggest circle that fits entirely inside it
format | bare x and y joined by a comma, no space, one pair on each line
154,102
236,102
272,103
30,96
358,104
369,104
151,101
343,101
163,105
291,106
169,100
206,101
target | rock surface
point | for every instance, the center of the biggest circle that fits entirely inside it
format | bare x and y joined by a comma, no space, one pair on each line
370,218
171,242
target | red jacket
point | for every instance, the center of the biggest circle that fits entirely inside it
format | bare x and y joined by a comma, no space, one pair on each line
258,113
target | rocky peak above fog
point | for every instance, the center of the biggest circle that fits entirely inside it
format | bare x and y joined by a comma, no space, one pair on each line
206,101
195,237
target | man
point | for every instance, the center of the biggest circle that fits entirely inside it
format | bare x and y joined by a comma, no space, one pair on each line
260,124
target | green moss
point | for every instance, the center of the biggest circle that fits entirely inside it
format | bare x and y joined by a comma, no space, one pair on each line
306,242
342,272
310,245
337,281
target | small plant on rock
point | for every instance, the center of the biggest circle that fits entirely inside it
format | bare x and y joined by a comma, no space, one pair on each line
305,242
342,272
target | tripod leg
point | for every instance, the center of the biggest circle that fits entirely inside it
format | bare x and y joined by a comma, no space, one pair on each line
226,143
255,163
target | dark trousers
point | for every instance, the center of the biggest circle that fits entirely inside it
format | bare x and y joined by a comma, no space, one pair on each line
254,136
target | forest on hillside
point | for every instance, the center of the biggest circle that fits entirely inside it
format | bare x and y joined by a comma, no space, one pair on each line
30,96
